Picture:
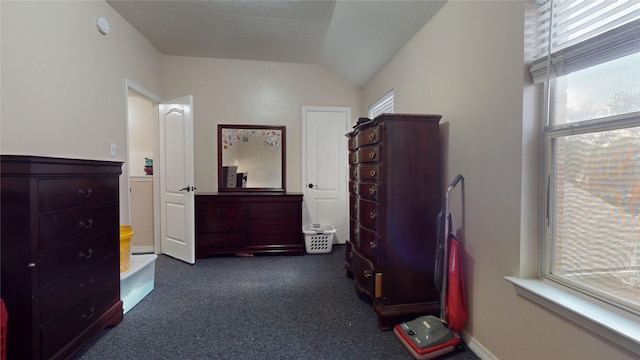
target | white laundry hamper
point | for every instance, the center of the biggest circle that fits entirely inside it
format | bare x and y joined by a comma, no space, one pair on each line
318,238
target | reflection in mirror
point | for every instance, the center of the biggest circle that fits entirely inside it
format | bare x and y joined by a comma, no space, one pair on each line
251,158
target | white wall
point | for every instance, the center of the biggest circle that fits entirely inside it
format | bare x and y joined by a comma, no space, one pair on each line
141,119
252,92
467,64
63,91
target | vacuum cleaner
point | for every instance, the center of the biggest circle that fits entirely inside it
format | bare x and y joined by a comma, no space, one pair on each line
429,336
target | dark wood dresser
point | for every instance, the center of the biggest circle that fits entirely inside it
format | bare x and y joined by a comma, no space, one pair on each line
60,253
228,223
395,197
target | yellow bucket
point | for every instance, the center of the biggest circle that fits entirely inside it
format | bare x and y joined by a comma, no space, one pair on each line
125,247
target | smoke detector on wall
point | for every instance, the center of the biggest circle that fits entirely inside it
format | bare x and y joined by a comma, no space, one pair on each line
103,25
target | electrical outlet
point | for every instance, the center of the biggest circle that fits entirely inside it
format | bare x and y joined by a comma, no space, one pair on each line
112,151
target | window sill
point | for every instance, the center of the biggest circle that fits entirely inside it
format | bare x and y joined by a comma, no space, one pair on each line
620,329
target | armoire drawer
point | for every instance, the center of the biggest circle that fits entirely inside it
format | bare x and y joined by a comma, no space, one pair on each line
368,190
56,194
57,265
369,136
59,229
72,290
369,154
369,213
370,172
368,242
364,274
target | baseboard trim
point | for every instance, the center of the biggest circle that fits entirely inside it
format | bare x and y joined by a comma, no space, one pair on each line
142,249
477,348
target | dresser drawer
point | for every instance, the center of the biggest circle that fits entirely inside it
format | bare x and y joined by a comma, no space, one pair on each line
66,327
276,224
222,224
368,243
369,214
56,194
61,228
275,238
369,172
368,190
54,266
369,136
228,239
221,210
72,290
275,209
369,154
364,274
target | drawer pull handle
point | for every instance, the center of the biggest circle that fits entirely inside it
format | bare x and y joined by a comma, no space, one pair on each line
89,315
355,231
90,282
355,187
372,190
372,135
350,254
82,255
367,274
355,172
82,193
372,154
86,225
355,207
372,172
373,244
372,215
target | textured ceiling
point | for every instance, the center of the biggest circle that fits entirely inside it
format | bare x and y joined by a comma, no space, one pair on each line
354,39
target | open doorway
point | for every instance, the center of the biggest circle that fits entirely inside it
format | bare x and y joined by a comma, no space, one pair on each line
142,181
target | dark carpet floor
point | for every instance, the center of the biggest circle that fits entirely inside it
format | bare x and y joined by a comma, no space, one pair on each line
261,307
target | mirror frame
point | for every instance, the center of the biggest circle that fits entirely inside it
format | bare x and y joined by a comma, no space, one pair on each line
283,151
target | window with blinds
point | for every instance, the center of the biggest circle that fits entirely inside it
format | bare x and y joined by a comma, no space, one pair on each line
588,62
382,105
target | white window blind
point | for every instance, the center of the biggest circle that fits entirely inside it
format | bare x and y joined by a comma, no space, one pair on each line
573,35
382,105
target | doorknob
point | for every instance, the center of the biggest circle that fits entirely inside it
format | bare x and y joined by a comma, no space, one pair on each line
311,186
188,188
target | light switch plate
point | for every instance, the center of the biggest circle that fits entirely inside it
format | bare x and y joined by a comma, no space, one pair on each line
112,150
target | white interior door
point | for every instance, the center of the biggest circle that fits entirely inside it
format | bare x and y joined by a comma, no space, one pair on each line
177,233
325,167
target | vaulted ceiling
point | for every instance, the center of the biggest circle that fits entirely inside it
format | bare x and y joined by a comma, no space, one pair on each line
353,39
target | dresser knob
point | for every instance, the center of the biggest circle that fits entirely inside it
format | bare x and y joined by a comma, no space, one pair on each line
372,190
367,274
372,135
373,244
355,172
372,215
372,172
372,154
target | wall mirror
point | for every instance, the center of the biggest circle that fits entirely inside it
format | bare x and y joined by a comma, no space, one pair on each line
251,158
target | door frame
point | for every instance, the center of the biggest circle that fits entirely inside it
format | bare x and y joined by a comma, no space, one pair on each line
132,86
343,161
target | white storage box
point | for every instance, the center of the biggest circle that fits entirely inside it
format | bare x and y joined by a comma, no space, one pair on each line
318,238
138,281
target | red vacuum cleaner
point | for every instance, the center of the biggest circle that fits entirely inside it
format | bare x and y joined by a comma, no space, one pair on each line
428,337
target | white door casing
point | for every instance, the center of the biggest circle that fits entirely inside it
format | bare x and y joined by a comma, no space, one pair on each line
324,168
177,219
